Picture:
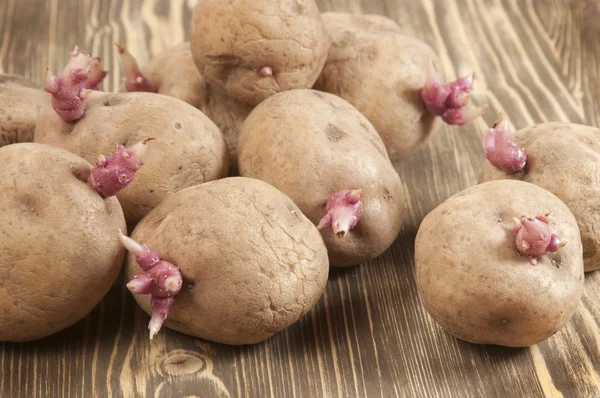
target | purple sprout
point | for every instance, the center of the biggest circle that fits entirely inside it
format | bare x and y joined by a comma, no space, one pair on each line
344,209
161,279
534,238
113,173
82,74
134,79
501,151
450,100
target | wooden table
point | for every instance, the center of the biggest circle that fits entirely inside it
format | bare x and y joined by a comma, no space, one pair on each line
536,60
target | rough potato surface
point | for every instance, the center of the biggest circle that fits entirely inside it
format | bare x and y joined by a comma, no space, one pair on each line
476,285
252,264
22,103
233,40
310,144
59,246
188,148
381,71
563,158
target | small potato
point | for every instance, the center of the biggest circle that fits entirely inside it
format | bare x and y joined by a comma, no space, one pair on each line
382,72
188,149
252,49
563,158
252,263
474,282
22,103
174,73
59,248
311,146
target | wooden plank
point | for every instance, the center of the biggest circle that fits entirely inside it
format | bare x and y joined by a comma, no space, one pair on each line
369,336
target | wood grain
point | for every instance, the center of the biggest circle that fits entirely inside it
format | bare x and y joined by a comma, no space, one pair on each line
536,60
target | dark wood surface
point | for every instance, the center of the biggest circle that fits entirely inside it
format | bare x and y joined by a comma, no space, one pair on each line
536,60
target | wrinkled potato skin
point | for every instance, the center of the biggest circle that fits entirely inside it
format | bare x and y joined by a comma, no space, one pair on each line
476,285
310,144
563,158
252,264
232,40
22,102
381,71
59,246
176,75
188,149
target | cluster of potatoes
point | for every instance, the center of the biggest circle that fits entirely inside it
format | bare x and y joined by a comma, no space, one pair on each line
273,134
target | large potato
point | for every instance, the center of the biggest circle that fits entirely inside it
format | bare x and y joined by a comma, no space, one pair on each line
252,49
563,158
381,71
475,283
188,149
252,264
310,144
21,104
59,246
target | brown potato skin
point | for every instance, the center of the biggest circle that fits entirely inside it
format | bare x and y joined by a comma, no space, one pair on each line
381,71
476,285
310,144
251,262
21,101
176,75
59,246
232,40
188,149
563,158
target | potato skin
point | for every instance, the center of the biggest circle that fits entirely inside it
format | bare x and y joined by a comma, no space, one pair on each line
232,40
563,158
310,144
22,102
188,149
176,75
476,285
381,71
59,246
251,262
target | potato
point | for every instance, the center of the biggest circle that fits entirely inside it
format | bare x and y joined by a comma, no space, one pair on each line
251,263
474,282
188,149
174,73
22,102
59,248
252,49
310,145
563,158
382,72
